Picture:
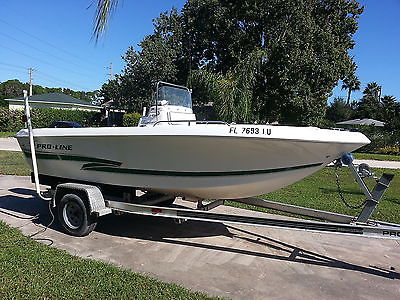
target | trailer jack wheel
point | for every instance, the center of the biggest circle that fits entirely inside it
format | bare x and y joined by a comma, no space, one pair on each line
73,216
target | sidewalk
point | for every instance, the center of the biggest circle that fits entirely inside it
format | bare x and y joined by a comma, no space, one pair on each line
9,144
380,164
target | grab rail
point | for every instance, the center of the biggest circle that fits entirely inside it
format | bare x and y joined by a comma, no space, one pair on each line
192,121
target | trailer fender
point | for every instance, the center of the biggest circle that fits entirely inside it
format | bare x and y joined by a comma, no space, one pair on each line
91,194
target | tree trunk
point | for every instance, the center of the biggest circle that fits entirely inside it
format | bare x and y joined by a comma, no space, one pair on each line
348,97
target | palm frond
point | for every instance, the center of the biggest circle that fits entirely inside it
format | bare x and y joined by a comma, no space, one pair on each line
104,10
231,93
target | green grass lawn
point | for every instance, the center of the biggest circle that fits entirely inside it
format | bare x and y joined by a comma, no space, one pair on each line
377,156
31,270
319,191
7,134
13,163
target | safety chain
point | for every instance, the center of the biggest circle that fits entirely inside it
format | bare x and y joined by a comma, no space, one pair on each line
341,193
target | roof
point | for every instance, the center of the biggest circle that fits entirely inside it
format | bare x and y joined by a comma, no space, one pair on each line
55,98
373,122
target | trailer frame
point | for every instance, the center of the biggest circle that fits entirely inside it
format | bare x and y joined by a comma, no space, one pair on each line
97,204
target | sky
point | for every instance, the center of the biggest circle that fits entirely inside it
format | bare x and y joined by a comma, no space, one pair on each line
377,49
54,38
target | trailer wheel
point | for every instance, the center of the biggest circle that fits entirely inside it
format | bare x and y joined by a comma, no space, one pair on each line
73,216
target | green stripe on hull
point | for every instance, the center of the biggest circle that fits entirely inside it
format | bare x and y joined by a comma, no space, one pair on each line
42,155
104,165
195,174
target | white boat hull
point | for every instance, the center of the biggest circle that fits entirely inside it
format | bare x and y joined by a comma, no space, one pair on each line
201,161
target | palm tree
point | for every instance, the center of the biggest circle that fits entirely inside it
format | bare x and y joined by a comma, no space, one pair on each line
231,93
370,106
389,101
351,83
373,91
388,108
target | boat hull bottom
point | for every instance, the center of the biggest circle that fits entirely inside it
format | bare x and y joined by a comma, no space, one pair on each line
204,187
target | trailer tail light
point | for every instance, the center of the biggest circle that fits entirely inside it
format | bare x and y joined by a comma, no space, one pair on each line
155,211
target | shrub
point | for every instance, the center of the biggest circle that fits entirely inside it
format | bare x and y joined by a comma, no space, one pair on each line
382,141
131,120
10,120
43,117
4,119
15,120
324,123
391,150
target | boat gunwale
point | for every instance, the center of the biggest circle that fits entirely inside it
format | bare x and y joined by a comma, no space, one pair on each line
253,137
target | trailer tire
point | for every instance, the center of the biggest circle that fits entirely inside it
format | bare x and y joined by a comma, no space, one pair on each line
74,217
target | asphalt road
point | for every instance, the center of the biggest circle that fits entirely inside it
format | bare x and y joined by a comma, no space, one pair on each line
239,262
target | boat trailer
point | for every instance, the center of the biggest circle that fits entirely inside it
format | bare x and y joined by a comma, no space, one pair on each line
80,205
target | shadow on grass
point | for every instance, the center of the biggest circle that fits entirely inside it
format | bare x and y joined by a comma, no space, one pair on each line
165,230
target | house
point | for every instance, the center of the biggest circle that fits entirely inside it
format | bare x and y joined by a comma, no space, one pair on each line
367,122
114,116
52,100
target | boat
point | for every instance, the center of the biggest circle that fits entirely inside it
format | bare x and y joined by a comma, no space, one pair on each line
172,153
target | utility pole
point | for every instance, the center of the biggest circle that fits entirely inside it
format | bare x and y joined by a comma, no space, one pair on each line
380,94
111,72
30,80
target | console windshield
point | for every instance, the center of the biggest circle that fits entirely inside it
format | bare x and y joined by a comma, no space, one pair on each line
174,96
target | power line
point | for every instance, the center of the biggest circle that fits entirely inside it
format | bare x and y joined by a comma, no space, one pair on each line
45,62
11,65
43,41
41,74
59,81
12,70
37,49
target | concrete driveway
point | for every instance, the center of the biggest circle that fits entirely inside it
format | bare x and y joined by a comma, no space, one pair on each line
240,262
9,144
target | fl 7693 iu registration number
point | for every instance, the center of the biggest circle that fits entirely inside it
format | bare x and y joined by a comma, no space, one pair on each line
250,130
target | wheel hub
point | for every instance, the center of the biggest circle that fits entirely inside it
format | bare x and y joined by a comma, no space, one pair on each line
73,215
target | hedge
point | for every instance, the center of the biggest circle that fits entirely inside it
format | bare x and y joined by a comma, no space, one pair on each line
10,120
131,120
382,141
